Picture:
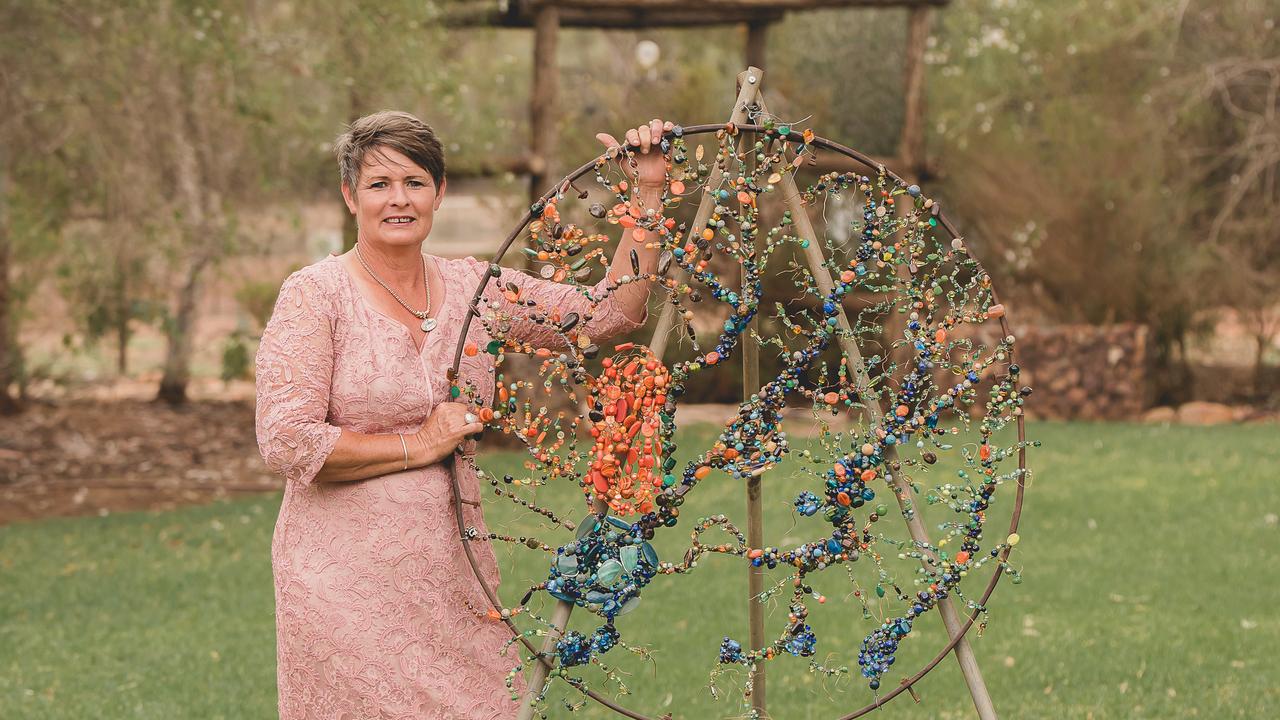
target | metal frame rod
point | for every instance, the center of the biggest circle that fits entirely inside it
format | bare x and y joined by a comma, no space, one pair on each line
660,342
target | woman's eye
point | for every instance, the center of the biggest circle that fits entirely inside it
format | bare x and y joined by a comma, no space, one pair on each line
379,184
416,183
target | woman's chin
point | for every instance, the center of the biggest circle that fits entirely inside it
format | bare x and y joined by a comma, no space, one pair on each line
399,238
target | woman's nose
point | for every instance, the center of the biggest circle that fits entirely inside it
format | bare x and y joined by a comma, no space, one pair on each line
399,196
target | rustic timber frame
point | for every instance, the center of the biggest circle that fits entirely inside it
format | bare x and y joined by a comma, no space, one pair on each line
546,17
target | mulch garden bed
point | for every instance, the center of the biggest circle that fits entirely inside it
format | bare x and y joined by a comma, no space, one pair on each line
86,457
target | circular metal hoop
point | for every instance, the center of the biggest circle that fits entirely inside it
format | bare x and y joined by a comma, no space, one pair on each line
473,312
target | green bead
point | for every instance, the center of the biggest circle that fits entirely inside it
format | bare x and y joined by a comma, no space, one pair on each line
455,392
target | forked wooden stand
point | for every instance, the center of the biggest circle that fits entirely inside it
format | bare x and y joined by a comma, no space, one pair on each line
750,102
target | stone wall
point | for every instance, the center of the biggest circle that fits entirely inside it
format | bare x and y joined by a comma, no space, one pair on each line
1086,372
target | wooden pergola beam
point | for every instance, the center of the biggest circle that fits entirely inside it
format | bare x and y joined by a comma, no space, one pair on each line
764,5
634,14
614,19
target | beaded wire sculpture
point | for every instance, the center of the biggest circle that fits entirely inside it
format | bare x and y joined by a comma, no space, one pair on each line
916,302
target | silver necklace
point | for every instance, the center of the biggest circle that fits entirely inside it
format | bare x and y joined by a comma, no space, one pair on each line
428,323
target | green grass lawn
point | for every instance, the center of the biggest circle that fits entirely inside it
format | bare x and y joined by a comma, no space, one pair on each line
1151,558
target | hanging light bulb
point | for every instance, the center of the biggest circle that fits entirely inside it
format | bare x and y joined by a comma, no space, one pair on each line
647,54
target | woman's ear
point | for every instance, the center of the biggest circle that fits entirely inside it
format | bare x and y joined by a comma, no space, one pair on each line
349,197
444,185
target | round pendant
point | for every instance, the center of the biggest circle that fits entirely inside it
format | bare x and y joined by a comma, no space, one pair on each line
428,325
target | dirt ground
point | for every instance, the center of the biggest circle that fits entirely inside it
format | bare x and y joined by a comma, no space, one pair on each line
85,457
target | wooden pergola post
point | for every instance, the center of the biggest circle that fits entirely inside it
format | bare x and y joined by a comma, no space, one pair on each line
542,104
911,143
757,43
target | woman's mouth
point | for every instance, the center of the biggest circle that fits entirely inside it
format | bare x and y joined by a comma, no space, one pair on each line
399,220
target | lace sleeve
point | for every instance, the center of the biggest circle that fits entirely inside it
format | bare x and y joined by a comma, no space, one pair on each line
557,300
294,372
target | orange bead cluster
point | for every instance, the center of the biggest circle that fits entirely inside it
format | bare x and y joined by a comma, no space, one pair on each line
626,397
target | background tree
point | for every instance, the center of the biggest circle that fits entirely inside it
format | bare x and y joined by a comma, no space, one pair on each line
175,158
1223,89
34,184
1085,162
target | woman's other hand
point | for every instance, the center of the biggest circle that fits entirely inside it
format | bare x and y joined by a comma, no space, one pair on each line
651,163
448,425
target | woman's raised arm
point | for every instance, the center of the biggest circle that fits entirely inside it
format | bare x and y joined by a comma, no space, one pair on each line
625,308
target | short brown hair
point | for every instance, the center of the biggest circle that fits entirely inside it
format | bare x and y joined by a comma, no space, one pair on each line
397,130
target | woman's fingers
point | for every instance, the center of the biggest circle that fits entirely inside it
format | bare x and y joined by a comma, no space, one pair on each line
655,130
646,138
633,137
607,140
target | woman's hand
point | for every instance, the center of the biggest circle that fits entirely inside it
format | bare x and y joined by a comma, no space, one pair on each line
651,167
449,424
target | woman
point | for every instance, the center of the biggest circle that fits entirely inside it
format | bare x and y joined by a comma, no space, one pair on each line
378,614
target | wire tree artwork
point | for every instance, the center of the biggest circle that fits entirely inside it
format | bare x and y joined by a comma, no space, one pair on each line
884,333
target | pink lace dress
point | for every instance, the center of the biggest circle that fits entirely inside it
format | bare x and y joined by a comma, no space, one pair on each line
378,614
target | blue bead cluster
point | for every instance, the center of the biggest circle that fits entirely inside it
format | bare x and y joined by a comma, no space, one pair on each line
731,652
807,503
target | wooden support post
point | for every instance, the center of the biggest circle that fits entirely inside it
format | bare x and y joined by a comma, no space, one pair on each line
538,673
559,626
542,104
751,80
906,501
911,143
738,115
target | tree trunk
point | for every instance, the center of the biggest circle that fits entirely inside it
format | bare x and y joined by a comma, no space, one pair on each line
8,343
177,365
122,314
356,108
201,233
122,346
1259,369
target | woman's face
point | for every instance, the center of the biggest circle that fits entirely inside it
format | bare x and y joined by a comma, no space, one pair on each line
394,200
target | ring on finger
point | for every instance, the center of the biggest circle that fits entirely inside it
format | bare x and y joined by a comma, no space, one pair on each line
470,418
